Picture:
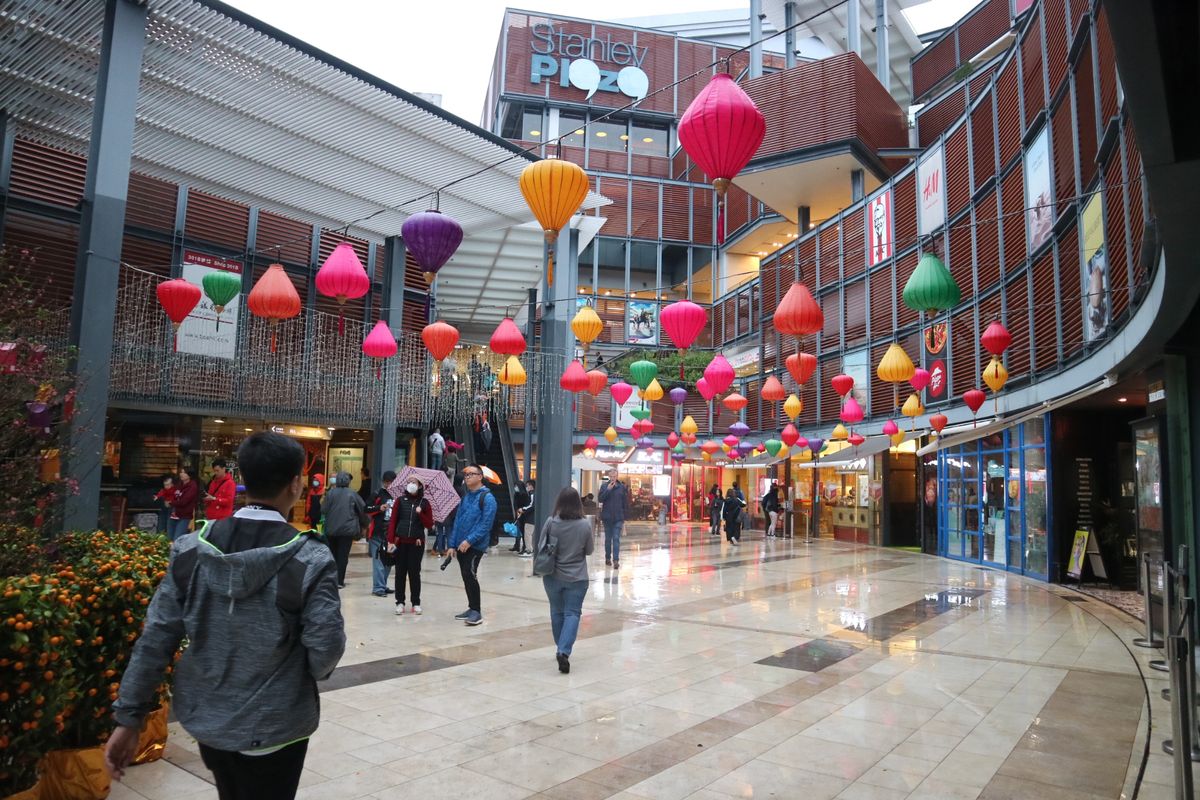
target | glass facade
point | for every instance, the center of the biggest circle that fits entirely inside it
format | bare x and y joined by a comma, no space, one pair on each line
995,492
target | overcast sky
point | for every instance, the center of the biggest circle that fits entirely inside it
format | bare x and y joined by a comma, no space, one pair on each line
446,47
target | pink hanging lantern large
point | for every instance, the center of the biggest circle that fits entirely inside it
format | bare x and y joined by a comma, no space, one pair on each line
683,321
920,379
621,392
507,339
705,389
343,278
381,344
852,412
719,374
721,131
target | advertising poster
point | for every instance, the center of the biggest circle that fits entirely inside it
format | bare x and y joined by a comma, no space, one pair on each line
880,245
935,338
856,366
931,192
937,378
1039,215
202,333
1097,302
641,322
622,419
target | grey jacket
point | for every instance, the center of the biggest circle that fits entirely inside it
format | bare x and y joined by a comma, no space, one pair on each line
247,679
345,512
573,544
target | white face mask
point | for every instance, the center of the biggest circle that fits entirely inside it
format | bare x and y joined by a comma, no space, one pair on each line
412,488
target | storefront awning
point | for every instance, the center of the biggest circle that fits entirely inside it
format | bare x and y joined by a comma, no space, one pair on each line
871,447
587,464
964,435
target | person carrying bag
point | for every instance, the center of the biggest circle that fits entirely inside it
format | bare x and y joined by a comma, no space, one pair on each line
561,552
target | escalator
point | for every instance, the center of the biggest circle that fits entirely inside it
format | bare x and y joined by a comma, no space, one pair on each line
501,459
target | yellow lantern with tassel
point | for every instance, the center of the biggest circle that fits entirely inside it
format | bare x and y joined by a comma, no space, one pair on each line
652,392
586,326
895,368
839,433
512,373
688,427
792,407
610,434
554,190
995,375
912,409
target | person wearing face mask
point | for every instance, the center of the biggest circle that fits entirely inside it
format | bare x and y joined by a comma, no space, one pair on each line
412,517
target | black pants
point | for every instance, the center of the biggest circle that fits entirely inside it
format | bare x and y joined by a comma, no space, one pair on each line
733,529
468,565
270,777
408,563
340,545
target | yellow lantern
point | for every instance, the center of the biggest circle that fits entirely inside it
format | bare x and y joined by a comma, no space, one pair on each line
995,375
839,433
586,326
783,451
726,448
895,368
792,407
897,438
706,456
652,392
912,409
554,189
512,373
688,427
611,434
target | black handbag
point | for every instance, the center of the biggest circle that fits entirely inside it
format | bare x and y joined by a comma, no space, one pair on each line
385,558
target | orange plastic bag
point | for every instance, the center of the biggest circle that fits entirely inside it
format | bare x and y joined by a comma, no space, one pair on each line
73,775
153,741
29,794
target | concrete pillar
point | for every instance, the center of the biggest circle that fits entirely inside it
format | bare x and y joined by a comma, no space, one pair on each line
883,70
856,185
789,37
853,28
803,220
97,263
527,432
555,430
756,52
6,150
383,440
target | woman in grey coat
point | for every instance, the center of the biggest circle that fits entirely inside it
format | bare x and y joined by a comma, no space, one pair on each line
345,519
571,535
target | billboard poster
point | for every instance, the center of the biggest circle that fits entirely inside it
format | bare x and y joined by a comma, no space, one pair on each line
1039,215
622,418
857,366
880,245
641,322
205,332
931,192
937,378
935,338
1097,302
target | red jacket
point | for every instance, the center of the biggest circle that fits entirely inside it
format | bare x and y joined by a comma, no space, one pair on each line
223,491
184,504
403,529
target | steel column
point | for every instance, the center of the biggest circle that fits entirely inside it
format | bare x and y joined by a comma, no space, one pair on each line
383,446
853,28
530,335
789,36
856,183
97,264
756,33
883,68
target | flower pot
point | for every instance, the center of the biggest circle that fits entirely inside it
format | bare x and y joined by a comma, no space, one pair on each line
153,741
73,775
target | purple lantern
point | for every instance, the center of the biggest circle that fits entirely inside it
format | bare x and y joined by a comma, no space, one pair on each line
815,445
38,417
677,457
739,429
678,395
646,442
432,237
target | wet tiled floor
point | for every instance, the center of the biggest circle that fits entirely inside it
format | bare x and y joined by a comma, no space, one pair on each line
710,671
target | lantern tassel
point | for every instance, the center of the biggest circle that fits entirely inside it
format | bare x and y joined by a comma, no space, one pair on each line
721,221
550,269
378,372
341,324
272,340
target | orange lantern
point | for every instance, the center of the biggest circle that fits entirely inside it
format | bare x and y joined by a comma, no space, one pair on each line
554,190
734,402
440,339
772,390
597,380
274,297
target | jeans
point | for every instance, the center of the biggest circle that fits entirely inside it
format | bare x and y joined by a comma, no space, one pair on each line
408,565
275,776
468,565
439,539
435,460
340,545
379,570
177,527
566,606
612,540
733,530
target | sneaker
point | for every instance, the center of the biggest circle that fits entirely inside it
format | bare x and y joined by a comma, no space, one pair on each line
399,609
464,614
616,565
380,594
564,663
526,554
474,618
608,562
417,610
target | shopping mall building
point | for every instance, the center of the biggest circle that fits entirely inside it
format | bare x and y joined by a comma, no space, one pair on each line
1020,167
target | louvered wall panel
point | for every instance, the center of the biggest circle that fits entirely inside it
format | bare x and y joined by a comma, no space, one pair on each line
854,321
644,210
831,307
1108,70
283,239
830,403
958,175
1114,236
936,119
414,316
960,260
653,166
1079,9
1034,84
1008,112
379,269
988,21
808,261
1062,155
737,208
932,65
1013,204
576,155
1086,105
904,221
772,359
612,314
904,270
829,271
217,221
808,398
702,216
754,409
881,392
1137,212
607,160
675,213
662,414
1045,335
592,413
52,246
854,244
1057,37
963,346
151,203
728,319
1070,282
1017,357
698,409
979,82
414,277
47,174
146,255
882,297
617,214
987,242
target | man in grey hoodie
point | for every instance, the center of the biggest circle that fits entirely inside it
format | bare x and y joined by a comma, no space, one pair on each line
346,517
258,604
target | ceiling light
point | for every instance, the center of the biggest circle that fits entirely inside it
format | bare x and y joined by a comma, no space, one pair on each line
607,292
535,133
624,137
762,252
812,225
248,430
602,134
579,132
219,421
1122,399
776,244
647,139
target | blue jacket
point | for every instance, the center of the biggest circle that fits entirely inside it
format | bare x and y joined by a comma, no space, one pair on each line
471,524
614,503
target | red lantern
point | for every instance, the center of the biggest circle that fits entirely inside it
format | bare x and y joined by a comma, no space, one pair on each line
938,421
842,384
719,374
507,339
597,380
672,439
789,435
735,402
801,366
705,389
683,322
642,427
343,278
851,411
620,392
721,131
798,313
855,439
974,399
710,447
439,338
688,438
380,344
996,338
178,298
772,390
591,443
574,378
274,297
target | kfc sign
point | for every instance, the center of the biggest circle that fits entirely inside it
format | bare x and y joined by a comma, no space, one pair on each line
937,378
879,228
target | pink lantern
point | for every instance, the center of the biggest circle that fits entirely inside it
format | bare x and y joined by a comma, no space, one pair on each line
672,439
343,278
705,389
890,428
683,322
855,439
591,443
381,344
789,435
851,411
620,392
802,443
719,374
842,384
920,379
731,440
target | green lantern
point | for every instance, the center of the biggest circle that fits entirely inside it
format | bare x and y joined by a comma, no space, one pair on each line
221,287
640,413
931,287
773,446
678,448
643,373
618,445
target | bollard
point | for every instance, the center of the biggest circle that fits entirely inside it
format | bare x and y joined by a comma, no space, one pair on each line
1178,654
1148,640
1186,682
1170,620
